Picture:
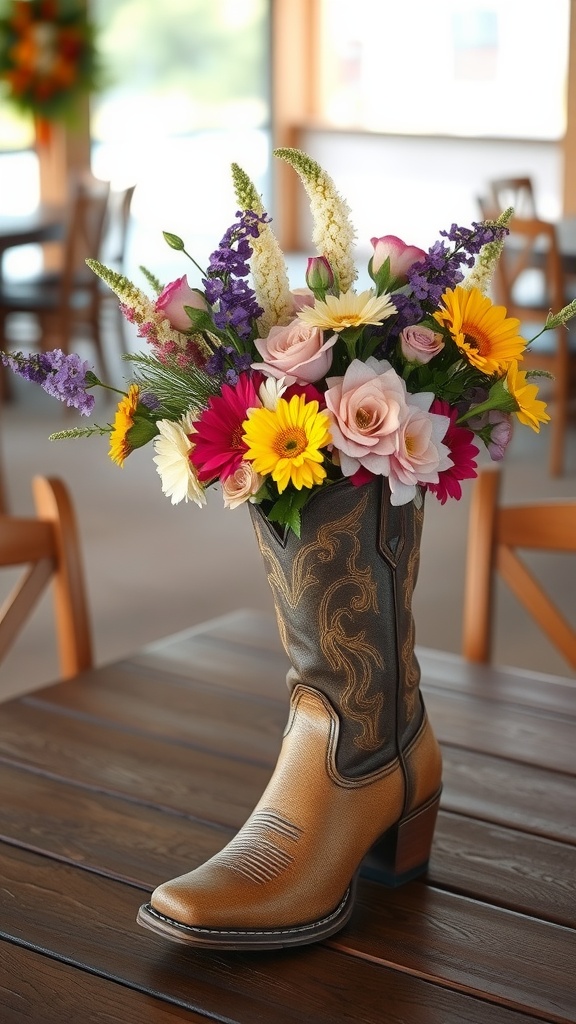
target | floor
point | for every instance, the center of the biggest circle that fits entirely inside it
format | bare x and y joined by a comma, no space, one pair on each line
154,568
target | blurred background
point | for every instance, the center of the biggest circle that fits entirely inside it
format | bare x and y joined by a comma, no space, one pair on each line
412,108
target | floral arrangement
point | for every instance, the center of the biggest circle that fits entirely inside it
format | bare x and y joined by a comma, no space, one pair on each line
273,393
47,56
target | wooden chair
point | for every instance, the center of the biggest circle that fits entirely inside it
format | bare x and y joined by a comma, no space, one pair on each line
64,301
516,192
494,535
529,280
49,547
114,252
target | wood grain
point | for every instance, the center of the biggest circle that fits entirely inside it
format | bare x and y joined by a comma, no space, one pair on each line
86,919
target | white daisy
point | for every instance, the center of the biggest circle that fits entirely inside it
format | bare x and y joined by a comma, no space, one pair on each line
172,447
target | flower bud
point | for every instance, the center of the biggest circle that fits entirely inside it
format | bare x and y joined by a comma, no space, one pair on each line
174,241
319,276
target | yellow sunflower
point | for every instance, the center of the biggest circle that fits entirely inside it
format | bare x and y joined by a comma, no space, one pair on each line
338,312
487,337
120,447
531,411
285,442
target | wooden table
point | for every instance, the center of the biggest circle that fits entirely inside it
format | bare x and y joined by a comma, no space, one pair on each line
140,770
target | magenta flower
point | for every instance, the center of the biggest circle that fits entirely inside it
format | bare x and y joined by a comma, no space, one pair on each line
218,445
462,453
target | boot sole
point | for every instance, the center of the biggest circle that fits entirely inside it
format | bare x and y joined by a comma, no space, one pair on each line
249,938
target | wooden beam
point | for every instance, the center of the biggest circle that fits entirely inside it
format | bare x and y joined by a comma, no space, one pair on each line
569,144
295,52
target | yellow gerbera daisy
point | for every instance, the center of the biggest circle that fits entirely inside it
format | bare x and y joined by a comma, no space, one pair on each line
285,442
119,445
482,331
349,309
531,411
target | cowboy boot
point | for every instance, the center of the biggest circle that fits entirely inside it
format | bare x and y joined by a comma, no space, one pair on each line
359,771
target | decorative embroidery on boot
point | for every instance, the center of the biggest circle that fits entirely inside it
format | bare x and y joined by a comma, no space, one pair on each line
350,655
258,851
409,663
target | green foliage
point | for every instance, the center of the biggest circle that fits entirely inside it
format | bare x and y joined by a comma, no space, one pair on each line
176,389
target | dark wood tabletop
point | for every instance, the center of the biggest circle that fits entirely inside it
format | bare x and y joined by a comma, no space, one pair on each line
140,770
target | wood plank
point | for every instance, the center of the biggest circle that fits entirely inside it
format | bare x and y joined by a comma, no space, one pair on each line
257,631
498,683
141,768
509,794
510,869
145,846
222,662
234,724
518,734
224,790
88,920
522,963
33,987
201,713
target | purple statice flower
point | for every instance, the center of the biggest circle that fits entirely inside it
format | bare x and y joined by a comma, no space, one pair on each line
231,297
65,377
441,269
228,363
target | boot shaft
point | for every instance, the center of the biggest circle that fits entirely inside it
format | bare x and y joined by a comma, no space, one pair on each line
343,598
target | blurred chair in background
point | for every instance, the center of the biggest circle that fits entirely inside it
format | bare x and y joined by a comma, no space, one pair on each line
494,534
529,280
114,252
50,548
65,301
516,192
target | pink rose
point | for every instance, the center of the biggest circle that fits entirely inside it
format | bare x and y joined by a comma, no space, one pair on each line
420,344
241,485
402,258
172,300
302,297
366,406
419,455
297,352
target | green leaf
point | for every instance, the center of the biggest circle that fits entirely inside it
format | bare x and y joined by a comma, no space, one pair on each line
286,510
200,319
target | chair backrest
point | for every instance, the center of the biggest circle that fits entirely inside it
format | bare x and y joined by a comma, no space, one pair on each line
117,225
48,547
495,534
529,277
516,192
84,232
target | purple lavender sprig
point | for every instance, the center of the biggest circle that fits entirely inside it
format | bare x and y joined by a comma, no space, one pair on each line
228,364
65,377
442,269
226,290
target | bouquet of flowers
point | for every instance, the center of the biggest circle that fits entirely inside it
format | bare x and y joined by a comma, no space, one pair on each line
273,393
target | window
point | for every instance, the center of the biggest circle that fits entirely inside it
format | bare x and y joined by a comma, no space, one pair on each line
188,93
451,67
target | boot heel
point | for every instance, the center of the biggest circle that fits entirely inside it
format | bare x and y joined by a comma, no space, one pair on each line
403,852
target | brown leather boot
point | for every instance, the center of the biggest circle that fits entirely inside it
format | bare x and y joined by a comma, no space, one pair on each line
359,771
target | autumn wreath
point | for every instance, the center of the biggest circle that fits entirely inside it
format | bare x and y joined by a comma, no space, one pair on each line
47,56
